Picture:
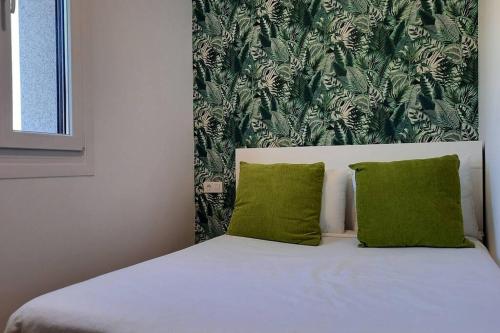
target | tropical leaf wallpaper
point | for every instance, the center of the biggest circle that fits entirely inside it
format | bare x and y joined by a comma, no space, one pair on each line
270,73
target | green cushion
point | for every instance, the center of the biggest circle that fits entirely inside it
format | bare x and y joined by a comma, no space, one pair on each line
279,202
410,203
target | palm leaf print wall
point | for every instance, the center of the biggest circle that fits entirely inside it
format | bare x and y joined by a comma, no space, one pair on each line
270,73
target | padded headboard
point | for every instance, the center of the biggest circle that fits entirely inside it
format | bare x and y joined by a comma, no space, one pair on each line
337,157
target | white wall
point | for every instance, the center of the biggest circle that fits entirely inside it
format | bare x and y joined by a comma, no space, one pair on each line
489,90
139,204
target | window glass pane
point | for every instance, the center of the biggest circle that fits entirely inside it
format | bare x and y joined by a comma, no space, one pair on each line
35,53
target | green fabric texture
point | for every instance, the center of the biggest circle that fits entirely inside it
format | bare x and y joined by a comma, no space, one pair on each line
410,203
279,202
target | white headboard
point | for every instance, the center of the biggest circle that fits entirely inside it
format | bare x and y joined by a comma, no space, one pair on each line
337,157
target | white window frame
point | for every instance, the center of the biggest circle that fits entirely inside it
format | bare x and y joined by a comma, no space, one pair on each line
28,154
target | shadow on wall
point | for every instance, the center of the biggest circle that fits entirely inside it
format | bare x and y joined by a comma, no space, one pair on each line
271,73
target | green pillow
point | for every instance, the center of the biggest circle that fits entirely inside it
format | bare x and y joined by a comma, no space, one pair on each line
410,203
279,202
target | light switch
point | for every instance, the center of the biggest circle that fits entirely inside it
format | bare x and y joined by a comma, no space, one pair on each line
212,187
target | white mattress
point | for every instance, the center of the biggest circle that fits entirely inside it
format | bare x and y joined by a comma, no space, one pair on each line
233,284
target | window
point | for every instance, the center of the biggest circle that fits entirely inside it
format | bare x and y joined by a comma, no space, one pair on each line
41,121
39,72
40,113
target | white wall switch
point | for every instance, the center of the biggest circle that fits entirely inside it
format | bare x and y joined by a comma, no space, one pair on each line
212,187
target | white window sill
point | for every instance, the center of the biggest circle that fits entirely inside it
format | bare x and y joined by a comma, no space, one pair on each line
23,163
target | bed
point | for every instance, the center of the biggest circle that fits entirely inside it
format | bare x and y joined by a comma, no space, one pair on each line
236,284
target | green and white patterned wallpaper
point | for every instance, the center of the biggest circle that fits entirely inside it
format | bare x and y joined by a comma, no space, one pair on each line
271,73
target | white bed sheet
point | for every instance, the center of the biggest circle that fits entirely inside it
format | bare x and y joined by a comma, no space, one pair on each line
234,284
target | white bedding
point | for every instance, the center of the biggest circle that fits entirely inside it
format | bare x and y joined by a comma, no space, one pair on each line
233,284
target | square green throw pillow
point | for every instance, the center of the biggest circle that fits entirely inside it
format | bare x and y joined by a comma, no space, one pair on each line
410,203
279,202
